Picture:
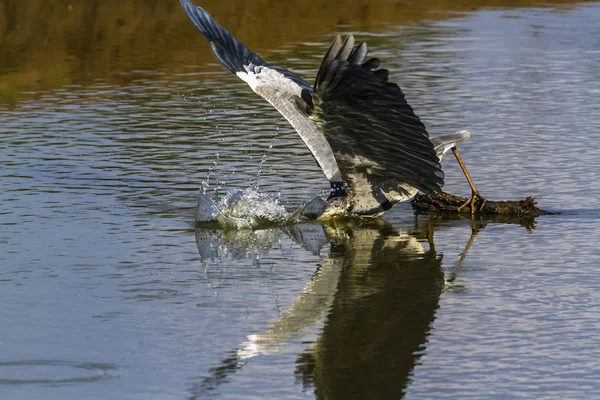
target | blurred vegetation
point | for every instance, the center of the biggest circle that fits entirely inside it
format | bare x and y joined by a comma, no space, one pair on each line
46,44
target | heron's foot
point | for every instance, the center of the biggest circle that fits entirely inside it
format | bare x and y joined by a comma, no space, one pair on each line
473,200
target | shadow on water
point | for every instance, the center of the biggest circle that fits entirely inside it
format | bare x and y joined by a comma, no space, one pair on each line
374,298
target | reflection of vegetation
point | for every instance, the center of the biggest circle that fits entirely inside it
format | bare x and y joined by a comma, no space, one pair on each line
54,76
9,95
86,40
44,77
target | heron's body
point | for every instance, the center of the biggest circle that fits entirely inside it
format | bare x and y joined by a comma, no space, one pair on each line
363,134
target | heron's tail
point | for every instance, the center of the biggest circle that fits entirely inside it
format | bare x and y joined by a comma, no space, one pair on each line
443,144
230,52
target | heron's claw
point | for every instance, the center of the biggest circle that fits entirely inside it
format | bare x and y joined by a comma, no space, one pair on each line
475,197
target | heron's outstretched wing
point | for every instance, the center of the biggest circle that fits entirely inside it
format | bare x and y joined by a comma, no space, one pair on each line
275,84
379,143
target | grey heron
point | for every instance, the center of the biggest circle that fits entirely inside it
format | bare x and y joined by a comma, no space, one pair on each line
371,146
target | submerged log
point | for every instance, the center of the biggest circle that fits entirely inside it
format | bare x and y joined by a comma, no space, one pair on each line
445,202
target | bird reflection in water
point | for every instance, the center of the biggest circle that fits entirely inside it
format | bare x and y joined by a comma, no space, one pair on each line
377,291
376,328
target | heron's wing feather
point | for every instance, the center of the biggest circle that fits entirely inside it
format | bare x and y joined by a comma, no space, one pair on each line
372,130
230,52
279,86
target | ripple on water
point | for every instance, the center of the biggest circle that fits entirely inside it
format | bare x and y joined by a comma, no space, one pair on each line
54,372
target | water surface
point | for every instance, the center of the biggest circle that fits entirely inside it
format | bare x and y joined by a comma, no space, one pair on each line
110,291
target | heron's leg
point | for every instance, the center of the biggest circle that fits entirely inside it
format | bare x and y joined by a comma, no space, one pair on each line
475,194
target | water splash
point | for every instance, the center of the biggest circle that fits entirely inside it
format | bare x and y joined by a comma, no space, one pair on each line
249,208
250,203
241,209
256,178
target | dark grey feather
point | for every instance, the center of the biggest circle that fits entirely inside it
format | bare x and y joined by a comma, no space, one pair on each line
372,64
346,49
370,126
358,54
230,52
